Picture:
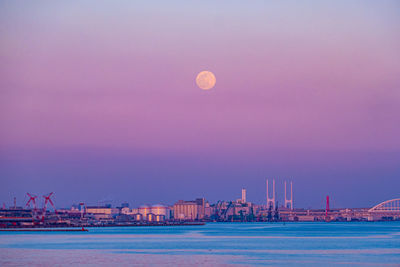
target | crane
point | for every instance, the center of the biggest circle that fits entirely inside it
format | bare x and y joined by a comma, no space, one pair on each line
224,213
32,201
83,209
217,210
47,199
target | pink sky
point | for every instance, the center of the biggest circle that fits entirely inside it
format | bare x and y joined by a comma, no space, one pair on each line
307,77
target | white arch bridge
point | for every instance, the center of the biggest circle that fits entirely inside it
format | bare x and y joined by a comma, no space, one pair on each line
391,206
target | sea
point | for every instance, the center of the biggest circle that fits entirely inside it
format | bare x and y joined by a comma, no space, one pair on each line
213,244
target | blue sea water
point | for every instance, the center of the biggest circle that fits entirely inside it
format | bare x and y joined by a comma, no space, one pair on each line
214,244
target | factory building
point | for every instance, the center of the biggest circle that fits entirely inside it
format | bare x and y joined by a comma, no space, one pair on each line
101,210
98,210
189,210
126,211
144,211
160,212
155,213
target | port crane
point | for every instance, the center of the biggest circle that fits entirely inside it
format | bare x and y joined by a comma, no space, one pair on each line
47,199
225,212
32,201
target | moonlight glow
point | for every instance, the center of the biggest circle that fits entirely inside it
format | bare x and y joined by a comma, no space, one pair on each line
205,80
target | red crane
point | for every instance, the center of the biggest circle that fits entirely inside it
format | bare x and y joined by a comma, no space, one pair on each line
47,199
327,208
32,199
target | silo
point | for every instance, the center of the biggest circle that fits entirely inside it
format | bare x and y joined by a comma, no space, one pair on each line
137,216
160,212
151,217
144,210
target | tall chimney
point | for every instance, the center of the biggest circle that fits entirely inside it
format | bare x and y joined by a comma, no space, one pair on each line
273,183
271,201
289,202
244,195
291,195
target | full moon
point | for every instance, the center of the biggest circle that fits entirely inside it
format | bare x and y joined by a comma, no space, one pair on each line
205,80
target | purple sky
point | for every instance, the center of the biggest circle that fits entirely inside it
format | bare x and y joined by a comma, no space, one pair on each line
98,100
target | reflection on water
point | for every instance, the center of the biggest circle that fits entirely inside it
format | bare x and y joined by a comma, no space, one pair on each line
215,244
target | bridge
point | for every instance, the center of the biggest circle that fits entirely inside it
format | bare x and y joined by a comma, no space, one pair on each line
391,206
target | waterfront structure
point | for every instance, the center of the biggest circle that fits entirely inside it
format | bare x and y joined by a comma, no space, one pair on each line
137,217
386,209
144,211
271,201
160,212
208,210
231,211
100,210
243,196
388,206
195,210
126,211
155,213
189,210
16,216
289,202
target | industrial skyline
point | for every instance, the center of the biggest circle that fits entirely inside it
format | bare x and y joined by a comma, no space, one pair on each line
186,211
271,199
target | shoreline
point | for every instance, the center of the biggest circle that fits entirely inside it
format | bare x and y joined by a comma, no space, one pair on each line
54,227
42,230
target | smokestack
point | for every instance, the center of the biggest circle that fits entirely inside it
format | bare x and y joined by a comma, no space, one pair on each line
244,195
285,195
327,206
271,200
289,202
273,191
291,195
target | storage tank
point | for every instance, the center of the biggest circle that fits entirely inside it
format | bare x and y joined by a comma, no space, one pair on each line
151,217
160,212
144,210
137,217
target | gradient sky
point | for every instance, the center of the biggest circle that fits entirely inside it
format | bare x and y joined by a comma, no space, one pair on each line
98,100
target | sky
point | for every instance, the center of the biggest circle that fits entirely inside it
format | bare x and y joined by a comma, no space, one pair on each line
98,101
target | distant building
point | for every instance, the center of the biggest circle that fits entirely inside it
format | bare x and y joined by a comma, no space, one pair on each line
243,195
126,211
107,210
189,210
98,210
155,213
144,211
160,212
208,210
